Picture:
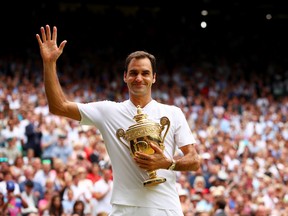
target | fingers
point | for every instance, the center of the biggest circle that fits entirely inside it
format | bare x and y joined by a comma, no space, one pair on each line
143,162
155,147
54,35
48,33
140,160
48,36
140,155
38,39
62,45
43,35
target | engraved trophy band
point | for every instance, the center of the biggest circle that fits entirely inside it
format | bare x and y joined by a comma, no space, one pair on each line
139,136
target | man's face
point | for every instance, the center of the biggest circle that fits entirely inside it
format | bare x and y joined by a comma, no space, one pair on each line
139,77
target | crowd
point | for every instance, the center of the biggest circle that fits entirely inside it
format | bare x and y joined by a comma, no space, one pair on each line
50,165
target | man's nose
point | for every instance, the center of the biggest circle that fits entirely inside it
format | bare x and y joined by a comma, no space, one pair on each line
139,78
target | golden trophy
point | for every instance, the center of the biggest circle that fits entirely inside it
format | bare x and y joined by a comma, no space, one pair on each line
139,136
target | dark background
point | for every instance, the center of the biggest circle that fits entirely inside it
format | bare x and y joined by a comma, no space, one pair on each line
168,29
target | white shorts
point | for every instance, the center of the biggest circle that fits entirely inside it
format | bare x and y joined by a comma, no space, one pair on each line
122,210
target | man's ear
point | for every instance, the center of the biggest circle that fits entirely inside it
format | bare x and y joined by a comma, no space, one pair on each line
154,78
124,76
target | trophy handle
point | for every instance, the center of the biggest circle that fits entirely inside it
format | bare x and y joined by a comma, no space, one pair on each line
164,121
121,133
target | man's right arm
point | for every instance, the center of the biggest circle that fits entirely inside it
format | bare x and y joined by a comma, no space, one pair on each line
57,101
50,52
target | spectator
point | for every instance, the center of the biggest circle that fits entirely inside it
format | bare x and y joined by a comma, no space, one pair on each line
48,140
11,150
59,182
63,149
102,191
14,202
199,185
219,206
29,175
78,208
34,134
12,130
17,168
43,203
68,204
30,198
7,177
55,207
80,191
185,200
45,173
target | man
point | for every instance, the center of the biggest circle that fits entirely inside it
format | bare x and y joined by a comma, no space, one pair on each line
30,198
219,206
102,191
38,189
129,196
34,135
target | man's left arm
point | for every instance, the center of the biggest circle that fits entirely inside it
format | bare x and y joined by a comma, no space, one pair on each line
190,161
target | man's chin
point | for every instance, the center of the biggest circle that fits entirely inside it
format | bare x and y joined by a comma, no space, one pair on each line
140,90
139,93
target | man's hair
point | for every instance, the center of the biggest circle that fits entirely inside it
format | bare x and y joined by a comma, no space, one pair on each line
141,55
220,202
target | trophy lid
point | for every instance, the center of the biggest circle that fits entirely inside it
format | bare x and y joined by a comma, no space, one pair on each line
143,127
140,117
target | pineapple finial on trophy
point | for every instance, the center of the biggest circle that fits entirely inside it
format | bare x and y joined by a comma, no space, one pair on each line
140,117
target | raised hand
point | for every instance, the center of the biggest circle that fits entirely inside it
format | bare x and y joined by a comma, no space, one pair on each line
49,49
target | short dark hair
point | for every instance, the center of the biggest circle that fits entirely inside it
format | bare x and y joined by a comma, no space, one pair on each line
141,55
220,202
29,183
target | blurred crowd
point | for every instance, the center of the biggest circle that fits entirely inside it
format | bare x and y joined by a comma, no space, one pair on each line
52,166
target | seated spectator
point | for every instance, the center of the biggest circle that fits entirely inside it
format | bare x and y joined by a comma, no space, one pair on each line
63,148
38,190
78,208
55,207
43,204
199,185
30,199
68,204
94,173
13,202
185,200
11,150
47,172
219,206
7,177
17,168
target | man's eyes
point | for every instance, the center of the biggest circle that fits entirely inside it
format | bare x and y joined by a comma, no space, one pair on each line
136,74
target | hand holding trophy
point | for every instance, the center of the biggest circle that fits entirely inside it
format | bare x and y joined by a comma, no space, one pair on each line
139,137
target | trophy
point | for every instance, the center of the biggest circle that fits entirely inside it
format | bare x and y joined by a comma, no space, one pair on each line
139,136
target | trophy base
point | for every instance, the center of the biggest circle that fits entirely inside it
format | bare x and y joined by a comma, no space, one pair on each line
154,181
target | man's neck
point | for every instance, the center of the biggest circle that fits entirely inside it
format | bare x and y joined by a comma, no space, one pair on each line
142,102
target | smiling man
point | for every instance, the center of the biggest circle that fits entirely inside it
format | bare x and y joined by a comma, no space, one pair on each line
129,196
